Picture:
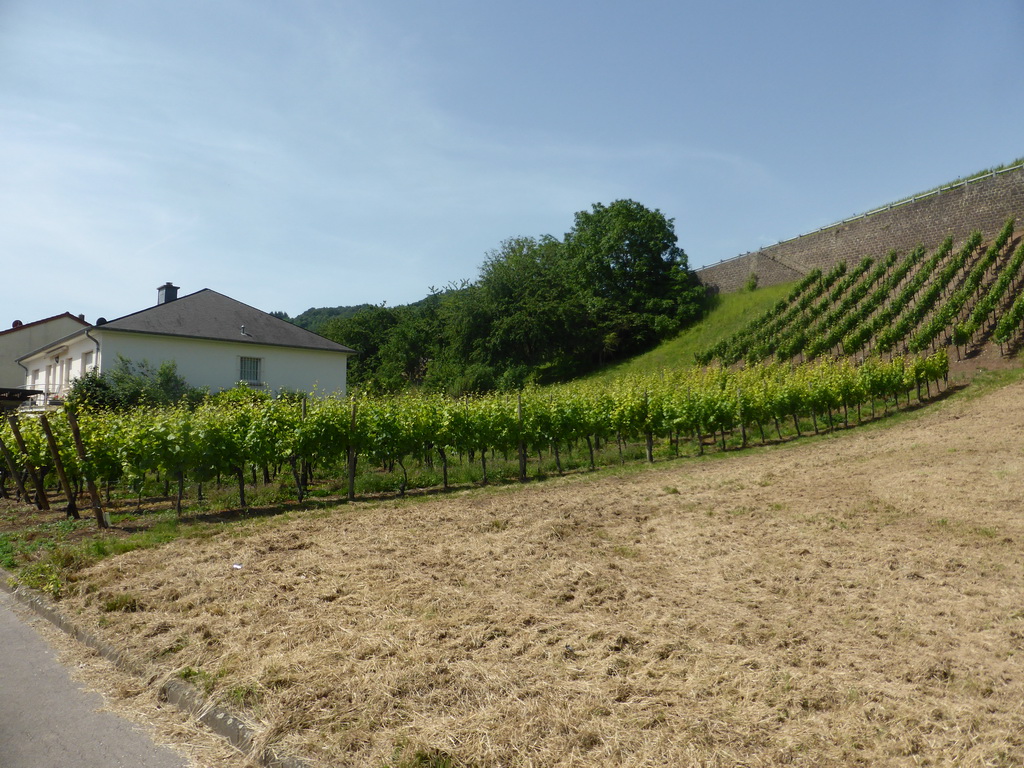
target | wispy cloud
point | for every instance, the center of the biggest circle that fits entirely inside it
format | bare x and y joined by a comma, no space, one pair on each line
322,153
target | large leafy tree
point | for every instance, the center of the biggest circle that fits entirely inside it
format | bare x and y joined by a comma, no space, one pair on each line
461,362
538,312
409,345
636,277
626,253
394,344
366,332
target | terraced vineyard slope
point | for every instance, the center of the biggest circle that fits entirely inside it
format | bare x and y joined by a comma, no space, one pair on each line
961,295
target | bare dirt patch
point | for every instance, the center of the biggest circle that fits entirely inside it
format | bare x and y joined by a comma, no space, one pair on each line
854,600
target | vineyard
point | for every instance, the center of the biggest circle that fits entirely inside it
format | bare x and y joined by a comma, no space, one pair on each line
900,304
288,442
842,343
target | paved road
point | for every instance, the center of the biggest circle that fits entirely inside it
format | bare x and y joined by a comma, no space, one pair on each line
48,721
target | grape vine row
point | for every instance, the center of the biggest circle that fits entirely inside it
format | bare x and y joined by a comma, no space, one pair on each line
236,435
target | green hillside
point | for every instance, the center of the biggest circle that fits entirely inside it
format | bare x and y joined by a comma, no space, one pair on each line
727,314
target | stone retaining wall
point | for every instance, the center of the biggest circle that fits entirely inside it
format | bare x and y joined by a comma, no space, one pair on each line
984,203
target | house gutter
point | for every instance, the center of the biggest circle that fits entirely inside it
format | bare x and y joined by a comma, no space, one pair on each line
94,341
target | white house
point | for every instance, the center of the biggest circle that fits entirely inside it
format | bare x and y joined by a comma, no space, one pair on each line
22,338
214,341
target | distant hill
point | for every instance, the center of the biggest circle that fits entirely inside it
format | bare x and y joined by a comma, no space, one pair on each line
314,318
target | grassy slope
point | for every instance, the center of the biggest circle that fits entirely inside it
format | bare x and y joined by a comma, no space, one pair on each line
728,314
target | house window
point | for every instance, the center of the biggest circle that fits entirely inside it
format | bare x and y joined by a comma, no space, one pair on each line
250,371
86,362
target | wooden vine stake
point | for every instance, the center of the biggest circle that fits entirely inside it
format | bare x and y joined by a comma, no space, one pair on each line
102,518
306,472
42,503
522,442
648,434
12,467
293,460
353,455
58,464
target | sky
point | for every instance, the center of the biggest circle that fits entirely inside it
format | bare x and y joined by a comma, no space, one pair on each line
318,153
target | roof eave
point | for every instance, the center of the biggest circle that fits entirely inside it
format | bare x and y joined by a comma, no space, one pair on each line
343,349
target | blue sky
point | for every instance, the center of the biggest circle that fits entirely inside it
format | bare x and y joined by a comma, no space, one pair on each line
322,153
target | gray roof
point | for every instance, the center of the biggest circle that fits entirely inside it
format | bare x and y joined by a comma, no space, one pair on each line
207,314
24,326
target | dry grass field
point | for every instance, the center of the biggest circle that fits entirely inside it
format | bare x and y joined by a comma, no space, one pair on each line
849,600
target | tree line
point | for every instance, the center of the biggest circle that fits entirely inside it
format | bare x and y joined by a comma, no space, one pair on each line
542,310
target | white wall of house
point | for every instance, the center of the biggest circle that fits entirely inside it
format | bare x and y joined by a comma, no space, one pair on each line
20,341
219,364
214,364
53,371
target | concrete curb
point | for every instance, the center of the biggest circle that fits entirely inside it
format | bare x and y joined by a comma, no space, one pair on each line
180,694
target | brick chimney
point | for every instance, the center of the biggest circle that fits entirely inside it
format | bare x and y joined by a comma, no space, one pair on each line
166,293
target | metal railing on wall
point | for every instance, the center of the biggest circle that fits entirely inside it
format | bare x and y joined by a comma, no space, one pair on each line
874,211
